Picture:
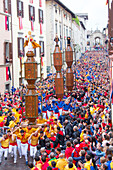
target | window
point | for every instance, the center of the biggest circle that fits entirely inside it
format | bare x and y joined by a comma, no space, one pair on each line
31,13
20,10
56,31
70,32
7,87
42,48
88,43
60,30
66,31
55,8
7,52
88,36
59,10
7,6
20,47
41,19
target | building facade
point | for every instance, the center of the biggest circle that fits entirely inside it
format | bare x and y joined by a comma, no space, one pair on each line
27,15
58,21
5,45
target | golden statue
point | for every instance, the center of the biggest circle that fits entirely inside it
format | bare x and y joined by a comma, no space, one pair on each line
30,42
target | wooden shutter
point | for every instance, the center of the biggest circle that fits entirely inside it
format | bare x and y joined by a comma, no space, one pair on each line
4,4
4,52
42,17
18,39
40,48
23,47
22,9
29,13
43,48
9,6
39,15
35,50
17,7
34,13
10,51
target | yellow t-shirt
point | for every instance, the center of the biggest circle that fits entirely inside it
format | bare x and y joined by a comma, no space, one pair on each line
34,140
12,141
1,119
12,124
41,121
17,116
5,143
30,131
24,138
111,165
87,165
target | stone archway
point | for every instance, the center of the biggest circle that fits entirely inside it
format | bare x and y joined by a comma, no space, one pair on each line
96,39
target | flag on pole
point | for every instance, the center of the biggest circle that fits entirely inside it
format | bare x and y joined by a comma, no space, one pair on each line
42,61
8,74
41,28
106,2
40,3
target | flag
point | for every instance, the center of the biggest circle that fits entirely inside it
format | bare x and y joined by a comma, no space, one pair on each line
106,2
31,1
41,28
32,26
40,3
6,23
20,23
42,61
8,74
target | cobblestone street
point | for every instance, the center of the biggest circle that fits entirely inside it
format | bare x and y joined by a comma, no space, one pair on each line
9,164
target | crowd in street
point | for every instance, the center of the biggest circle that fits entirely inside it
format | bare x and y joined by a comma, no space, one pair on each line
74,133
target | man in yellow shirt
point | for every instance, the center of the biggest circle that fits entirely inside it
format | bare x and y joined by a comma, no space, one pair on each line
88,164
34,142
24,144
4,146
40,120
16,131
12,145
61,163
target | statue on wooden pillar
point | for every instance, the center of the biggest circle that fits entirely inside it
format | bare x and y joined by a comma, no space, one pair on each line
31,98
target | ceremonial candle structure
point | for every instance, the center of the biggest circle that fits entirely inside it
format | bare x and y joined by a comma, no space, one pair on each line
31,98
69,61
57,58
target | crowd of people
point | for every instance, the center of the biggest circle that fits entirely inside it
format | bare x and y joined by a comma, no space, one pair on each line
74,133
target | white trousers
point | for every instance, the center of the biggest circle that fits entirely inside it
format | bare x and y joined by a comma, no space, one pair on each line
13,149
60,111
33,151
19,147
24,148
44,115
48,113
3,151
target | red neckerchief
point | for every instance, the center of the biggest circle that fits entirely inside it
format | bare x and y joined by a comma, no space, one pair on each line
23,136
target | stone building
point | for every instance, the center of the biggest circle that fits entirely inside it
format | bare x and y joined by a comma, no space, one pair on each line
58,21
5,46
